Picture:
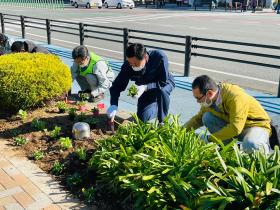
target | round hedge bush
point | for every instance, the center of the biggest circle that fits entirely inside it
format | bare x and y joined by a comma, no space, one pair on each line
30,79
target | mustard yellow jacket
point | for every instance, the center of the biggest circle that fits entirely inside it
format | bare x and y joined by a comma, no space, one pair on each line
238,109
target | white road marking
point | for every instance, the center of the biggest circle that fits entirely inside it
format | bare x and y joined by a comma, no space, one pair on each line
229,74
197,28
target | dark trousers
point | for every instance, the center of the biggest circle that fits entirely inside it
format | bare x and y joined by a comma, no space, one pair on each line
154,104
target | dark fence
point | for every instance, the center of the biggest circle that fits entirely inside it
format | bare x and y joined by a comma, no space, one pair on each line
233,51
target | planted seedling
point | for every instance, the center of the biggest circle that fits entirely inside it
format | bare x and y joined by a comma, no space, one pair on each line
57,168
92,122
84,96
22,114
74,180
62,106
95,111
81,153
38,124
15,132
55,132
81,117
132,91
88,194
65,143
20,141
38,155
72,113
82,106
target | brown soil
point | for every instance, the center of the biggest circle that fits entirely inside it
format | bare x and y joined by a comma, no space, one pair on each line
12,127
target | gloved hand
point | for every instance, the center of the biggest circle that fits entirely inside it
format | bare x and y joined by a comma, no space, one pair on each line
112,111
140,90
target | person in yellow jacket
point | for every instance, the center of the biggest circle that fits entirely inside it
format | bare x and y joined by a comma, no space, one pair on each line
92,72
228,112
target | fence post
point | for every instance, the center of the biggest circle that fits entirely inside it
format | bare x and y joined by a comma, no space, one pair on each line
188,50
125,42
48,27
82,33
2,23
22,26
278,94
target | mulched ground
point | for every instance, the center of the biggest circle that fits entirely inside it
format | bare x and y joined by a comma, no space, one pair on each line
12,127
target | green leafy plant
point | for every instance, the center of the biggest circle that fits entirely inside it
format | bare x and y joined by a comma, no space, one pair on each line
162,166
74,180
81,117
55,132
72,113
132,91
81,153
88,194
22,114
15,132
62,106
57,168
38,155
84,96
38,125
95,111
65,143
30,79
92,122
251,183
20,141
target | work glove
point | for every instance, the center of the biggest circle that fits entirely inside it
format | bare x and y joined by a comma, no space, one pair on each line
112,111
140,90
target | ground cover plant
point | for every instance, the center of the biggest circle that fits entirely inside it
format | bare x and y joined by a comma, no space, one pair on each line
145,165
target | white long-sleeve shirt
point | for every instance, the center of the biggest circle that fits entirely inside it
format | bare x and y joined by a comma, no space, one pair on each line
102,80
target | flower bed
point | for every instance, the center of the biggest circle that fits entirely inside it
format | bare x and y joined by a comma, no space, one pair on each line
144,166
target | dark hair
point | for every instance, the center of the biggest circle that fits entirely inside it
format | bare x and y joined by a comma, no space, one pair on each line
80,52
18,46
3,38
136,50
204,83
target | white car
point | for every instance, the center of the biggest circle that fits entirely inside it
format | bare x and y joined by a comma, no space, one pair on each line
87,3
119,4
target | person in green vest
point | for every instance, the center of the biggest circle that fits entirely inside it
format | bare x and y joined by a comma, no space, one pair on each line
92,73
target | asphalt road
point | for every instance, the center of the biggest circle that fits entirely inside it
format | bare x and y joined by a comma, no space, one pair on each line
261,28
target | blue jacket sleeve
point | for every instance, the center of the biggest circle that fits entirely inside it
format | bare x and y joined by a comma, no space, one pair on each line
119,85
166,79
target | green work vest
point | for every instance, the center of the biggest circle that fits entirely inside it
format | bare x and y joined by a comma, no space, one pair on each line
93,60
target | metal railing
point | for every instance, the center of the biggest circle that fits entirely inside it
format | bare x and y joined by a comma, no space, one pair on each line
231,51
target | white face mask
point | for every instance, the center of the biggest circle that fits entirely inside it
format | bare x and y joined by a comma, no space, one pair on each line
83,65
205,104
138,68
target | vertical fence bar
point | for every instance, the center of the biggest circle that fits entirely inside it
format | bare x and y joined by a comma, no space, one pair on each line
125,42
188,51
22,23
48,27
278,94
2,23
82,33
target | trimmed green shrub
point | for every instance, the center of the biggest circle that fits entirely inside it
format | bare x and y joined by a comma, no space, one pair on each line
29,79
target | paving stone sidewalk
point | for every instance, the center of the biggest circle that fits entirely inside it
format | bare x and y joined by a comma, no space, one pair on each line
23,185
